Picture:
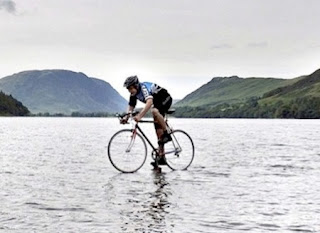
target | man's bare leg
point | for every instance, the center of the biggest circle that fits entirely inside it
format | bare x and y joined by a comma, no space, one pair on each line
161,146
159,119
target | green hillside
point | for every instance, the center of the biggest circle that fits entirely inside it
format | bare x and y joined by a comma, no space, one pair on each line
308,86
9,106
62,91
299,98
231,90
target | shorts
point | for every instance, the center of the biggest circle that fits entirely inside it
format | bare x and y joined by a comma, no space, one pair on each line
162,101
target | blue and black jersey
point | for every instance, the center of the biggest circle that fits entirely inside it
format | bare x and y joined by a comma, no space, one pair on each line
146,90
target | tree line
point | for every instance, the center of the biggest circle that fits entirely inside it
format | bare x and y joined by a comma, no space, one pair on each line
298,108
9,106
74,114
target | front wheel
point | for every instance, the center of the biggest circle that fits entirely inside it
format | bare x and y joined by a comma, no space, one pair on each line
180,151
127,151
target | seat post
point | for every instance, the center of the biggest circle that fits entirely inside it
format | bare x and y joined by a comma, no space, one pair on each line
170,111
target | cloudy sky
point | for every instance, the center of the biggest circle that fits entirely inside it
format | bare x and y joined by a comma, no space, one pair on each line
180,44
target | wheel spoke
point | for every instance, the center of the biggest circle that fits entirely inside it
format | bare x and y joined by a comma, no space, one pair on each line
180,151
127,153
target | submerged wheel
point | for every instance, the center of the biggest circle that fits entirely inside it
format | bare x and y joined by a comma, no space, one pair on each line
127,151
180,151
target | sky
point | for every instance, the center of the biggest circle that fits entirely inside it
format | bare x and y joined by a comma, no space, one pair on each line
178,44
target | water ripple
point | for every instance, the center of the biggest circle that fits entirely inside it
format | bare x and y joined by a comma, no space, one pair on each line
248,175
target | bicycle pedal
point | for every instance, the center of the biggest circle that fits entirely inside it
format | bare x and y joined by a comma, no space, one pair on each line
154,164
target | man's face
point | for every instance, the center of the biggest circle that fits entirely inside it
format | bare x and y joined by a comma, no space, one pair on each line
132,90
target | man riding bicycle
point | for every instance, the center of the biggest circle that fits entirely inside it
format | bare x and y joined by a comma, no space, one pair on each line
156,98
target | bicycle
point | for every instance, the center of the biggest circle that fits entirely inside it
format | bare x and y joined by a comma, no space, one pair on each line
127,149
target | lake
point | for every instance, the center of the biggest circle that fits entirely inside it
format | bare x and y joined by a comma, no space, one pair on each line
248,175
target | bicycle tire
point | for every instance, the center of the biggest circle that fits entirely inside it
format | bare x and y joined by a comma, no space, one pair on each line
127,154
180,151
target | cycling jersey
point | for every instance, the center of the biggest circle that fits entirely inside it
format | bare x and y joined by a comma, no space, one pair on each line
160,96
147,91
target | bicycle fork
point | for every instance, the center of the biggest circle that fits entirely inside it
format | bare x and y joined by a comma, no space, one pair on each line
133,138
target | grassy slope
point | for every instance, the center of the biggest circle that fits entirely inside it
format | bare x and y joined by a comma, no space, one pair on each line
306,86
232,90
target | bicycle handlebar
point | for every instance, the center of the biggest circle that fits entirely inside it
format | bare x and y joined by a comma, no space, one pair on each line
132,114
122,116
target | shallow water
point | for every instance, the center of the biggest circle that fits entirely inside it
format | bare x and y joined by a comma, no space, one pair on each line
248,175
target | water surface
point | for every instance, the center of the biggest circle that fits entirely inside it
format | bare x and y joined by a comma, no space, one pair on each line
247,176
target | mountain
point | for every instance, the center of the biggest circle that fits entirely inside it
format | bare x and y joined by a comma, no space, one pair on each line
231,90
308,86
299,100
9,106
295,98
62,91
174,101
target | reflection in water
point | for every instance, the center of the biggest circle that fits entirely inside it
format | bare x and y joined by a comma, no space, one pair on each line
159,205
141,204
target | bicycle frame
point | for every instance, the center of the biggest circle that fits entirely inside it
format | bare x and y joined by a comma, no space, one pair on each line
145,136
177,147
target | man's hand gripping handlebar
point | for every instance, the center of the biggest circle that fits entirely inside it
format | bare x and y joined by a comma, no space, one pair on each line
123,118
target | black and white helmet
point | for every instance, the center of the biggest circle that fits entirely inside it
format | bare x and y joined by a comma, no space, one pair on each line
130,81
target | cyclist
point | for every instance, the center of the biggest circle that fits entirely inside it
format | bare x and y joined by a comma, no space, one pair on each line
158,100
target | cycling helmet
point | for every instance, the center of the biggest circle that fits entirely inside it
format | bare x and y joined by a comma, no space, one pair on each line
132,80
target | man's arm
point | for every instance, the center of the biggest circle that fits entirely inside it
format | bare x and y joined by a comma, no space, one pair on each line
130,109
124,120
143,112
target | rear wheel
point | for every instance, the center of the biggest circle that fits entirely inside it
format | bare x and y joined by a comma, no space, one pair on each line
180,151
127,151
